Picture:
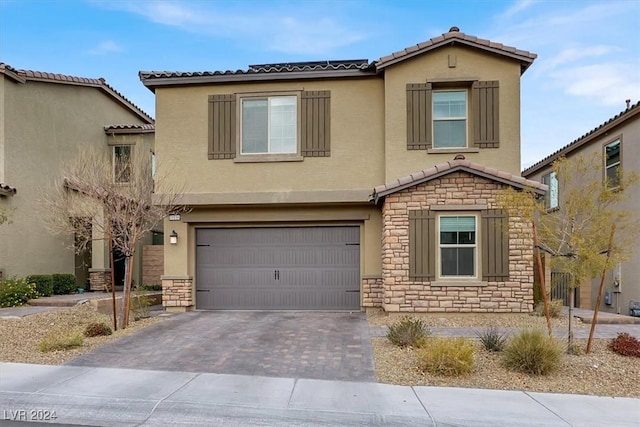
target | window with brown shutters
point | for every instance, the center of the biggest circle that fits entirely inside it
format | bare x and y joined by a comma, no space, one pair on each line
314,123
315,115
495,245
222,126
422,249
493,250
419,126
485,95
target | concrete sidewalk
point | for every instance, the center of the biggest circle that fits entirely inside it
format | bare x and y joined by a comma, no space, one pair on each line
121,397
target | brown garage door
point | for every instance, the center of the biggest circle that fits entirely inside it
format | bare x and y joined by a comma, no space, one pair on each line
285,268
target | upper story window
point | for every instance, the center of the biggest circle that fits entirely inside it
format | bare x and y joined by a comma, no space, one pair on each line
612,159
551,198
269,125
121,164
450,119
457,240
274,126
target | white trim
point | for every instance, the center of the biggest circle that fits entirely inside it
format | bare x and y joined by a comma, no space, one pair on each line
449,119
475,246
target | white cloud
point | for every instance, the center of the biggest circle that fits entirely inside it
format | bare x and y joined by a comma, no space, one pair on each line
302,33
105,47
517,7
572,55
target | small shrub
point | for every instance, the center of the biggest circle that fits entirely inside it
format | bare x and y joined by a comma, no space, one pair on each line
155,287
532,352
625,345
140,303
97,329
447,356
575,349
408,332
64,284
555,308
15,291
492,339
60,340
43,282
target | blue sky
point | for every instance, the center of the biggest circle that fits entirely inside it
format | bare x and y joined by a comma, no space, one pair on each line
588,51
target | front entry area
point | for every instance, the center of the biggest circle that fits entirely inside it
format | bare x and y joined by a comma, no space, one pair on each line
278,268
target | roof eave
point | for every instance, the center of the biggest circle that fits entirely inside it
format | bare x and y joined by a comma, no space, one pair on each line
152,82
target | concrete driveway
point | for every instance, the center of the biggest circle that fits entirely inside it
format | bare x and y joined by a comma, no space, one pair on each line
318,345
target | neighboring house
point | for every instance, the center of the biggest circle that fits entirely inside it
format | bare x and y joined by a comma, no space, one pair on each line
618,140
44,120
284,168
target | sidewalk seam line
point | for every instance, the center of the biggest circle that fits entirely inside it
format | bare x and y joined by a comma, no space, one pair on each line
90,369
547,408
295,383
166,397
433,422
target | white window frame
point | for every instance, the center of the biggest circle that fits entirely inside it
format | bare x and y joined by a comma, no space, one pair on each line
475,246
465,119
551,198
617,164
114,161
268,156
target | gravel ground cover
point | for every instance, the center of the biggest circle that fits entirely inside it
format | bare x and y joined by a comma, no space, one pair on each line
19,338
602,372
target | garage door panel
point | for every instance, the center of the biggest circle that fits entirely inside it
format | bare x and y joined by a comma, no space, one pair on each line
278,268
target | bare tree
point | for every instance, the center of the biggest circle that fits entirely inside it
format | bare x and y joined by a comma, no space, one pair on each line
121,196
589,233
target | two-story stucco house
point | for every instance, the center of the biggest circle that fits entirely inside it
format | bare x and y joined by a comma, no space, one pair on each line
348,184
618,141
45,119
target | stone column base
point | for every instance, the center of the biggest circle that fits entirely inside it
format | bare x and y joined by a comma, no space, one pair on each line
99,279
177,293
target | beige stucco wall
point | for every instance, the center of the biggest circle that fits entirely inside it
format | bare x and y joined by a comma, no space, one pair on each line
45,124
629,132
2,124
357,151
470,65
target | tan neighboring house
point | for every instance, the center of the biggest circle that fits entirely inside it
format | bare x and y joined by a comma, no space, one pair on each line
618,140
342,185
45,119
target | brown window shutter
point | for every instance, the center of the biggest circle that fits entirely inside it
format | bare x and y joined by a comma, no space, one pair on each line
422,246
485,114
419,116
495,245
315,113
222,126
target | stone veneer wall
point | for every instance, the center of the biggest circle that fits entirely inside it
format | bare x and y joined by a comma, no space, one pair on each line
177,292
99,279
402,294
372,292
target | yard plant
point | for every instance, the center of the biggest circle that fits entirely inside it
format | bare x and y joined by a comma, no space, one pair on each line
60,339
408,332
97,329
15,291
532,352
625,345
492,339
447,356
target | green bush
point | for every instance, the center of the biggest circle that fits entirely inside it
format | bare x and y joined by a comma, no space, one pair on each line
625,345
43,282
532,352
97,329
15,291
60,340
555,308
447,356
155,287
64,284
408,332
492,339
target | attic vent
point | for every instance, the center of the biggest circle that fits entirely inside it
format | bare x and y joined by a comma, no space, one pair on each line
459,157
454,29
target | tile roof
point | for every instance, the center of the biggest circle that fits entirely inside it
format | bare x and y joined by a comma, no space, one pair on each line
456,165
6,190
22,76
325,69
627,114
130,128
455,36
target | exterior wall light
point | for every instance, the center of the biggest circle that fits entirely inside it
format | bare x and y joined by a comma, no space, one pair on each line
173,238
